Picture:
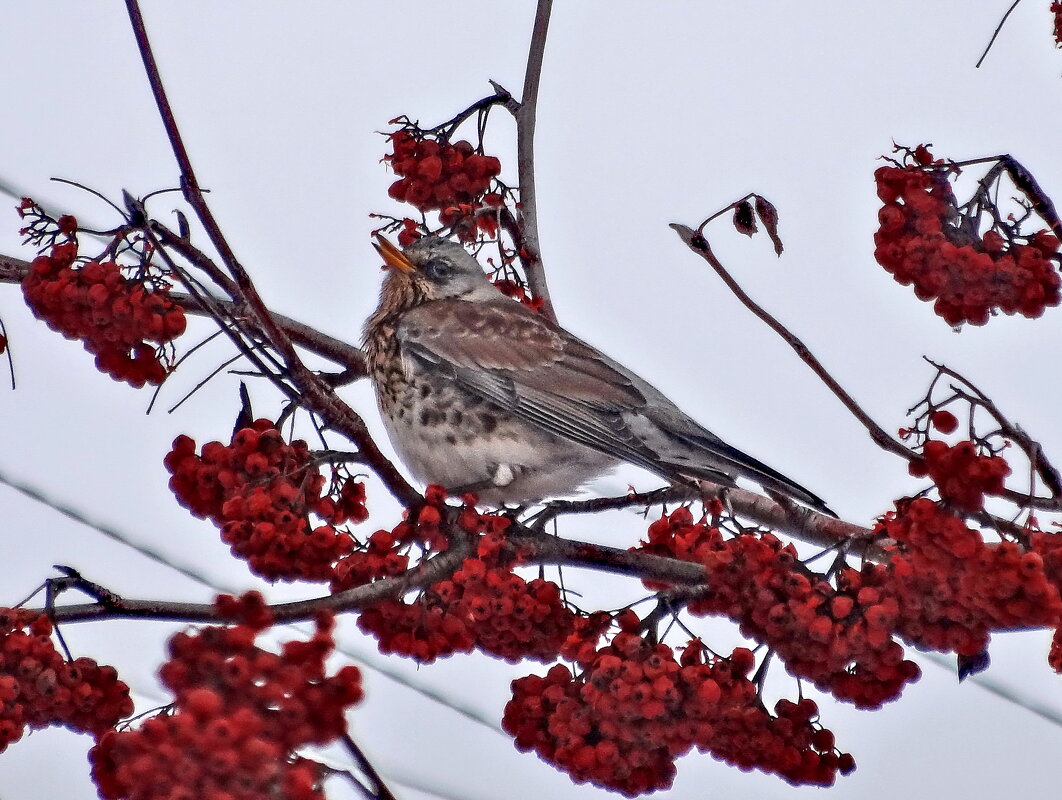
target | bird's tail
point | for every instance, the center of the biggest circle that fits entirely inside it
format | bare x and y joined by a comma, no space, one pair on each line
711,457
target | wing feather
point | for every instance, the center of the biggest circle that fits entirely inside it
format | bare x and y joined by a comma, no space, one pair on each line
519,361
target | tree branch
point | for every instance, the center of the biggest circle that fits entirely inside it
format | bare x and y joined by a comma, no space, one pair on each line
697,244
378,789
526,117
13,270
316,395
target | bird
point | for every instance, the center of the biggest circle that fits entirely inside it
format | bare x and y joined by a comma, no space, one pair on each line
482,394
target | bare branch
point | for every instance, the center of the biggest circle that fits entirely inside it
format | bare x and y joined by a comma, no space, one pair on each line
697,244
316,394
526,116
379,788
999,27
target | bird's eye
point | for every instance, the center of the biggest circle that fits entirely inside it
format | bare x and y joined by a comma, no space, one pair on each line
437,269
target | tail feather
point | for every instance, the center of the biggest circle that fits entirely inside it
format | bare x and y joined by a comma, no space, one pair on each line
709,456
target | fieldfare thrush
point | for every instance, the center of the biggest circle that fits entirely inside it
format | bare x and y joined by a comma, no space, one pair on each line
482,394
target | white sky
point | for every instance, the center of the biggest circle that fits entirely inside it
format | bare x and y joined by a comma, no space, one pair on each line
648,115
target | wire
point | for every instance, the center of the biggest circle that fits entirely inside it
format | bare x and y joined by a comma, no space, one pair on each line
371,660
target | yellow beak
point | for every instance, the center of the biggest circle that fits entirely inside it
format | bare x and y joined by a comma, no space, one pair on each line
391,255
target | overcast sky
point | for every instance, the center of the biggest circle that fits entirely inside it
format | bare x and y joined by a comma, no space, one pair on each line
649,114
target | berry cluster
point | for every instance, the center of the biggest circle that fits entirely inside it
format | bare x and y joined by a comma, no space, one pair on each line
1049,547
947,589
453,179
922,240
633,709
962,477
482,605
838,638
239,715
38,687
1056,9
512,289
120,319
434,174
260,491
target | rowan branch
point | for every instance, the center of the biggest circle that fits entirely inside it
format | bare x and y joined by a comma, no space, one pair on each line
995,33
699,245
316,395
526,113
793,520
378,790
351,358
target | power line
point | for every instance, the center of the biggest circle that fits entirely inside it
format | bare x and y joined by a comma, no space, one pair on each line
370,660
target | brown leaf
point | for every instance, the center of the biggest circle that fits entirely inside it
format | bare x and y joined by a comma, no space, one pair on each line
744,219
768,215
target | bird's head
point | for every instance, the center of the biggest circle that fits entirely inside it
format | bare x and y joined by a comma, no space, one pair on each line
432,268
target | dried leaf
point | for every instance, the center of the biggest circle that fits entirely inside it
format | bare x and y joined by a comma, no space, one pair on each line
768,215
744,219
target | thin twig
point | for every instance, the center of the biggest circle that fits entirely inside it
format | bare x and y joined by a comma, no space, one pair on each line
315,394
193,193
999,27
526,115
699,245
500,97
379,788
1008,430
13,270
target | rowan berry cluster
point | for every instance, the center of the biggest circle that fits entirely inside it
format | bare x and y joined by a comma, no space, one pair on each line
122,320
453,179
435,174
260,490
838,638
923,240
633,709
239,715
947,589
512,289
386,553
1049,547
483,605
39,687
962,477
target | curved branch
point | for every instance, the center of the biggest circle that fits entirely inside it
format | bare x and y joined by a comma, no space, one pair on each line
697,244
113,607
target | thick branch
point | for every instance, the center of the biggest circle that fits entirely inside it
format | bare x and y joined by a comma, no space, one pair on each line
799,522
536,546
112,607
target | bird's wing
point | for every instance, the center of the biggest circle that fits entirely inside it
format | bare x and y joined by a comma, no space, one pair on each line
517,359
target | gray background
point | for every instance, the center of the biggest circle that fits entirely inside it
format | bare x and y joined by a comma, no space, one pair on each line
650,113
